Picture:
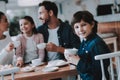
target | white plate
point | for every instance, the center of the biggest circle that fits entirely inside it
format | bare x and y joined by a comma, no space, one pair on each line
62,64
9,70
27,69
37,64
57,63
50,69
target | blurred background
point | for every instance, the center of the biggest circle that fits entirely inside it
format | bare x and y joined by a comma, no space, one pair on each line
17,8
106,12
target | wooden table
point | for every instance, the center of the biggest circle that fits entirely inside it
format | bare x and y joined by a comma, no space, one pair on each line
63,72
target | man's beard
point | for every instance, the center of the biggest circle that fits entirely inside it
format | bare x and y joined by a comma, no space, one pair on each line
47,20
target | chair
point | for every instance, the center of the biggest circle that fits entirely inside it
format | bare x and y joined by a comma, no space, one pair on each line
11,71
114,75
109,38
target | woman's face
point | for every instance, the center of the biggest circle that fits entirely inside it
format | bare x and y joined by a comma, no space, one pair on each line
25,26
83,29
3,23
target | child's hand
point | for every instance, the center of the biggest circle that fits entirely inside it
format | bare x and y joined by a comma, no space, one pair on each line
9,47
74,59
19,63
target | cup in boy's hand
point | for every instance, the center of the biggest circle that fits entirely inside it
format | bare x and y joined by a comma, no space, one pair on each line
41,45
16,43
68,52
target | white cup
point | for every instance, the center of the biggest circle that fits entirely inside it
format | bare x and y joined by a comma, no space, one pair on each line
41,45
68,52
36,62
16,43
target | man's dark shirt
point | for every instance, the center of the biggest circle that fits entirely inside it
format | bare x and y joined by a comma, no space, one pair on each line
65,34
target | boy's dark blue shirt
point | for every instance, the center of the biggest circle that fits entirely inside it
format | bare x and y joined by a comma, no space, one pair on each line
88,67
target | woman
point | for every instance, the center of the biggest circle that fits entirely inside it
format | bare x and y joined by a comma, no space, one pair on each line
83,24
6,48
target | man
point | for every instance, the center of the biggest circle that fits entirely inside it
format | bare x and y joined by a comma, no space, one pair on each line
57,34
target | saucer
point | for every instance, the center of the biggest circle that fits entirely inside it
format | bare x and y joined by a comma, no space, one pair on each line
50,69
57,63
37,64
62,64
9,70
27,69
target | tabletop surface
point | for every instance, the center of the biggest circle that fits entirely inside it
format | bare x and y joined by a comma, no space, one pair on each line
38,74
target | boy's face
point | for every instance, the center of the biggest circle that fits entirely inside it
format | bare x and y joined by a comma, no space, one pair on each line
83,29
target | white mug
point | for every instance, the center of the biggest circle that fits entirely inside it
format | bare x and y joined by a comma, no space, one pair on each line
41,45
16,43
68,52
36,62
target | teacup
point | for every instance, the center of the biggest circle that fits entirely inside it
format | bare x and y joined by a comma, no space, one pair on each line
41,45
16,43
36,62
68,52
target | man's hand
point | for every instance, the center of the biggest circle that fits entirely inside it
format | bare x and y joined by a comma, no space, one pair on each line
51,47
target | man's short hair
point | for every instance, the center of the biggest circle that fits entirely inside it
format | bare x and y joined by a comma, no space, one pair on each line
50,6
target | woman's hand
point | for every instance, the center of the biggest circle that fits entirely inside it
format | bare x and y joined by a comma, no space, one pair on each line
74,59
9,47
19,63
